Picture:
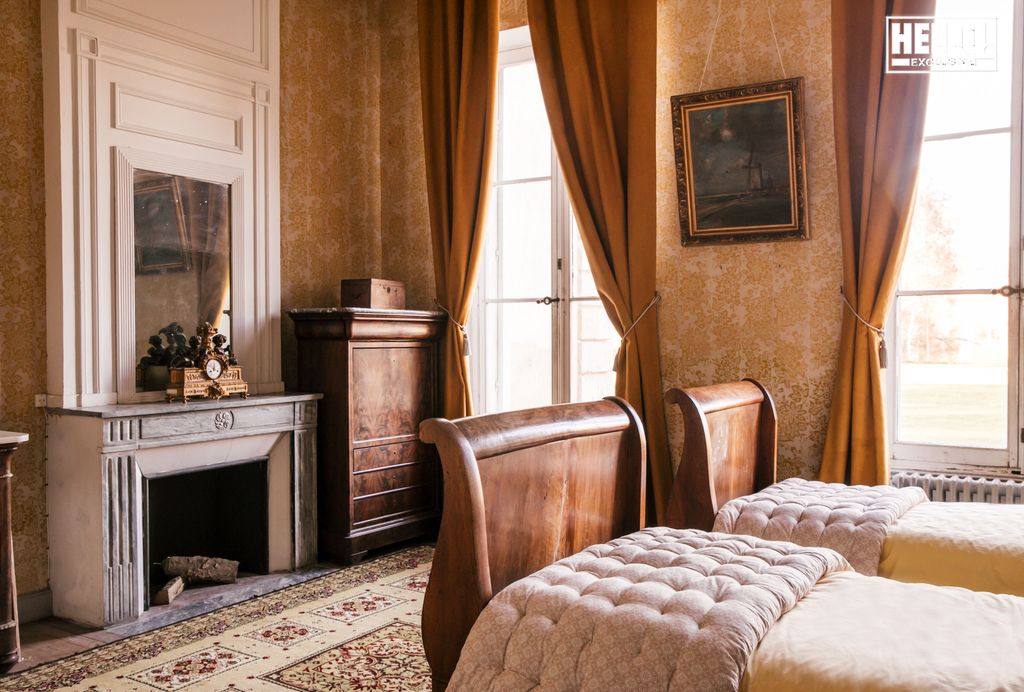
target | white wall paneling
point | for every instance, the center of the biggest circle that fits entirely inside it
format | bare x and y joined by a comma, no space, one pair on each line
189,88
237,30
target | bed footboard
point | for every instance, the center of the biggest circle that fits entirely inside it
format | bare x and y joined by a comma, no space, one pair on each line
522,490
730,437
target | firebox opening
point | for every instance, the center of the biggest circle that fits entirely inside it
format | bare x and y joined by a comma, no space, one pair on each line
214,512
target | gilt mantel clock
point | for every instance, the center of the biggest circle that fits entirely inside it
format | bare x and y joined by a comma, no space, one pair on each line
213,372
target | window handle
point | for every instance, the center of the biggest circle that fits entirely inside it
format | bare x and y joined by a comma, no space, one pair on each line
1007,291
547,300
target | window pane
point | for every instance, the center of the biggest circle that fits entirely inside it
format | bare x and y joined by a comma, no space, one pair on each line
525,212
593,345
963,101
525,136
519,373
958,234
582,278
953,370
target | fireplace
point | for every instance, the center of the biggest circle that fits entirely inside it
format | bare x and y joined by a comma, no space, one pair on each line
218,511
123,481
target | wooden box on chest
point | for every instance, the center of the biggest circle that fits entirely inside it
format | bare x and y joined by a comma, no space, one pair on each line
378,372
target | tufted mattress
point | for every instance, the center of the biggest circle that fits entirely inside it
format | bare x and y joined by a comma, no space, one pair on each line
850,519
658,609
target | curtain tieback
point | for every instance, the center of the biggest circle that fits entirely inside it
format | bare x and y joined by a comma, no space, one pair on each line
466,350
655,299
883,355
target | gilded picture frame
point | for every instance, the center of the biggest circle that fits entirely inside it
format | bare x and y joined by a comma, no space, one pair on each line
740,163
162,242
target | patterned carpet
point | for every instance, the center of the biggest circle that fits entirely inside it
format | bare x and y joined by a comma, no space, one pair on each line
355,629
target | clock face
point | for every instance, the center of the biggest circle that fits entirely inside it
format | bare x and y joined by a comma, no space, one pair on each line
214,368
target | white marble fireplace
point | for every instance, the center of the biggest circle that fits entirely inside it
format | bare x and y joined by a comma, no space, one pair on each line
162,208
98,458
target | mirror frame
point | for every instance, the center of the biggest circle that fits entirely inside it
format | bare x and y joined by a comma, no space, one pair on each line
127,161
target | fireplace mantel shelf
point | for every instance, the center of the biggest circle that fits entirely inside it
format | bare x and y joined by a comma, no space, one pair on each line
162,408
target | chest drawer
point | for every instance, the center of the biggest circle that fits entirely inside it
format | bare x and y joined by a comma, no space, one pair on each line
392,479
382,456
375,509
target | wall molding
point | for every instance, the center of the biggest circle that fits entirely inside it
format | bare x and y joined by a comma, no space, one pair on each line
122,121
117,91
35,606
257,53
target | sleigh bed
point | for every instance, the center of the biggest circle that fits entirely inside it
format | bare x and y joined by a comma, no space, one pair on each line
544,578
726,481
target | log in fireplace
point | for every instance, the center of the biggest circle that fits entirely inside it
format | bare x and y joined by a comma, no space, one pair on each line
218,511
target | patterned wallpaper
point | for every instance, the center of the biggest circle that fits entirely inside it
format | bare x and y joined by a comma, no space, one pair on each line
769,311
330,153
513,13
23,279
405,224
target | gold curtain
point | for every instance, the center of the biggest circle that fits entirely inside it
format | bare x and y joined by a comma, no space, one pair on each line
597,63
879,124
458,43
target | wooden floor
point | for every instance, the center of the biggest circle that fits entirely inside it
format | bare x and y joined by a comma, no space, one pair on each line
48,640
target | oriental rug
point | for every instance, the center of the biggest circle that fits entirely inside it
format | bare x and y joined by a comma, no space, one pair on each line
354,629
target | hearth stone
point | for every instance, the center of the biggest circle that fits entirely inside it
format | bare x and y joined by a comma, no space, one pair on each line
98,458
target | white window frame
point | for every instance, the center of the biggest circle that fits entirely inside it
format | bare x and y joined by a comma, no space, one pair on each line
515,47
948,458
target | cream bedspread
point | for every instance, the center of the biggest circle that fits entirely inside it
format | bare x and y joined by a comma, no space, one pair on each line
871,634
971,544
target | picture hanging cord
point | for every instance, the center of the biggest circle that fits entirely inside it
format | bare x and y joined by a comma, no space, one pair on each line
707,59
714,33
775,38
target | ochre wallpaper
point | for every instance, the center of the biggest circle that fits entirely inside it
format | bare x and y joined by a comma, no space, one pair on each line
770,311
513,13
330,153
23,280
405,224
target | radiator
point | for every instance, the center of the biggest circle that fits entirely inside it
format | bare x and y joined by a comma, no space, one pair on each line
942,487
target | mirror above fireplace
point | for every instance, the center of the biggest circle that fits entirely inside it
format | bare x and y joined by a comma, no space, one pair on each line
180,229
182,265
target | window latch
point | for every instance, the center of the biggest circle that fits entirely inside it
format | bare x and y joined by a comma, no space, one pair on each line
1007,291
547,300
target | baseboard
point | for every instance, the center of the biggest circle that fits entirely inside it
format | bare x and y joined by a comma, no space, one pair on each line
37,605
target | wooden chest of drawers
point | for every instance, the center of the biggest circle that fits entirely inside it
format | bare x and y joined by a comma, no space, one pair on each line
378,372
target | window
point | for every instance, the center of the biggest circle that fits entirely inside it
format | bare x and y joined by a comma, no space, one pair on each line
954,386
540,333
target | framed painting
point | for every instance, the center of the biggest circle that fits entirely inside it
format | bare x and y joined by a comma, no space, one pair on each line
740,166
162,241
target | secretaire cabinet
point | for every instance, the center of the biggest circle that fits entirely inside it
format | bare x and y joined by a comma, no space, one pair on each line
378,372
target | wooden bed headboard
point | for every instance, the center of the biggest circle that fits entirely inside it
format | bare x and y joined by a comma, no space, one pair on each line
730,437
522,490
